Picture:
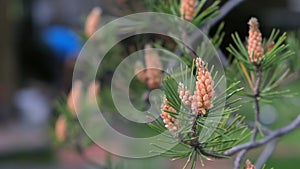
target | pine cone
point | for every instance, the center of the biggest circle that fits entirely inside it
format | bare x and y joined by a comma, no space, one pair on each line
154,67
171,123
188,9
184,95
92,22
255,49
74,97
204,92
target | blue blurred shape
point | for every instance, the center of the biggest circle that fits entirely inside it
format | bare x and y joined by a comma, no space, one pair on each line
62,41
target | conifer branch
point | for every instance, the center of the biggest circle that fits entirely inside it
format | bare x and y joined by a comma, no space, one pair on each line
239,158
266,153
225,9
273,135
256,93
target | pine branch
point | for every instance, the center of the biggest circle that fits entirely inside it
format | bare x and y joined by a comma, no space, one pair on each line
194,134
266,153
197,145
273,135
194,128
256,101
269,148
225,9
264,130
256,94
239,158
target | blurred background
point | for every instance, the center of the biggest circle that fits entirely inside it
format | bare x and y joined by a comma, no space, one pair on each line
39,43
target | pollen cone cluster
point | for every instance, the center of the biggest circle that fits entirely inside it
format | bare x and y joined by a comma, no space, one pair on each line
154,67
74,102
140,72
152,75
60,128
92,21
255,49
93,90
184,95
203,93
201,99
249,165
77,96
171,123
270,46
188,9
74,97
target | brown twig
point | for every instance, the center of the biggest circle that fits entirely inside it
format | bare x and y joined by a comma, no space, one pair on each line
256,93
194,128
194,134
197,145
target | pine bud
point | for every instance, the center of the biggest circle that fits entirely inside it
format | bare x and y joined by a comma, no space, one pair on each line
154,67
93,91
204,93
270,46
188,9
171,123
92,22
184,95
60,128
249,165
140,72
255,49
74,97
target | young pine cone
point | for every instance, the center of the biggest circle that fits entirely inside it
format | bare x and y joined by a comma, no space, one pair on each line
270,46
153,78
249,165
188,9
93,91
255,49
184,95
171,123
92,22
154,67
74,97
140,72
204,92
61,128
